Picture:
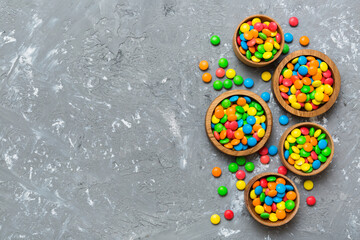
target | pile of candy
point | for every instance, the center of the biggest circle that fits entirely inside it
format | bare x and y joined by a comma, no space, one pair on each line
272,198
259,41
306,149
306,83
238,123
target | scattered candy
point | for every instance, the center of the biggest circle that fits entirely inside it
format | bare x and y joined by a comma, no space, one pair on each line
273,198
306,83
304,40
282,170
218,85
258,41
220,72
302,149
233,167
263,151
240,185
215,219
230,73
240,175
249,166
286,49
266,76
293,21
215,40
273,150
228,214
203,65
265,159
206,77
265,96
311,200
238,122
227,84
216,172
249,83
223,63
238,80
241,160
283,120
308,185
222,191
288,37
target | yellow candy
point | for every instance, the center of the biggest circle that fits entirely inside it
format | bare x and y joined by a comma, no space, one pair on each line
315,102
241,185
287,145
295,60
268,47
244,27
300,146
215,120
319,70
300,162
295,156
246,107
317,133
215,219
252,111
308,185
308,107
287,73
320,89
262,118
295,149
328,89
319,96
323,66
276,45
296,105
252,194
261,132
316,83
267,55
266,22
296,133
290,139
230,73
258,121
259,209
273,34
255,59
255,20
273,217
266,76
292,99
293,89
297,167
305,167
281,205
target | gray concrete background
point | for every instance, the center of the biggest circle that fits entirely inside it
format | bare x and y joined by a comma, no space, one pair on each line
102,120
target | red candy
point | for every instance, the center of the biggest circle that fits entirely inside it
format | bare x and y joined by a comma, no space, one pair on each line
228,214
240,175
216,135
263,182
263,151
265,159
293,21
311,201
282,170
272,26
258,26
304,131
220,72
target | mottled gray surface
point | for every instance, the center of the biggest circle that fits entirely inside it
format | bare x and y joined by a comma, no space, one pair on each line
102,120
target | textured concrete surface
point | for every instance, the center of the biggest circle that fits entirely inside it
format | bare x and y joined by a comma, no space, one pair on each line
102,109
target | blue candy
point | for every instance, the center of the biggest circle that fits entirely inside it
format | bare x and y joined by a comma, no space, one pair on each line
245,147
286,154
322,144
294,73
288,37
248,83
248,100
302,60
251,142
296,67
240,123
283,120
263,125
251,120
239,147
273,150
303,70
289,188
277,199
212,125
242,37
280,188
268,200
234,98
247,128
244,45
316,164
265,96
280,195
251,27
258,190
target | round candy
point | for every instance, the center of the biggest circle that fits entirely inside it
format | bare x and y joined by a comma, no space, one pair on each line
263,151
249,166
203,65
273,150
265,159
308,185
215,219
230,73
227,84
249,83
282,170
220,72
293,21
240,185
215,40
288,37
240,174
304,40
286,49
311,200
216,172
233,167
206,77
266,76
228,214
283,120
290,204
241,160
265,96
222,191
223,62
217,85
238,80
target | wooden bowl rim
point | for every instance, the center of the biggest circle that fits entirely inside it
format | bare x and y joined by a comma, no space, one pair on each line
323,166
335,74
211,109
251,209
261,63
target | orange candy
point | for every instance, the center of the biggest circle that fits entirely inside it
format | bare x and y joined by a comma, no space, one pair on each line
252,49
301,97
256,202
232,117
280,214
267,32
242,50
313,141
304,40
272,185
290,66
256,127
326,98
306,81
259,41
238,135
310,58
216,172
312,70
248,35
270,40
283,89
254,33
308,147
206,77
298,84
267,208
223,134
281,180
230,110
244,140
235,142
317,76
203,65
219,113
310,159
291,195
241,101
291,161
313,63
256,184
228,145
272,193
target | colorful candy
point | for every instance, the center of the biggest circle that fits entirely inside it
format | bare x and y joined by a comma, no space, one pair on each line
286,49
293,21
308,185
302,149
282,170
305,83
304,41
241,160
249,83
216,172
203,65
265,159
283,120
240,175
206,77
240,185
215,219
311,200
215,40
288,37
238,80
258,41
233,167
230,73
265,96
238,123
220,72
273,150
272,198
228,214
249,166
227,84
223,63
218,85
266,76
222,191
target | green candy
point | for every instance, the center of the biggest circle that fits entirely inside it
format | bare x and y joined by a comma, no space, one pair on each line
258,55
305,89
238,80
289,204
252,104
218,85
223,62
271,179
244,117
262,36
301,140
248,54
265,215
241,160
257,107
304,153
317,149
285,49
260,113
238,116
215,40
308,96
284,69
233,167
262,197
261,49
322,158
222,190
312,95
326,152
224,141
311,132
274,51
310,170
228,84
224,128
322,136
249,166
218,127
290,151
225,103
224,119
239,109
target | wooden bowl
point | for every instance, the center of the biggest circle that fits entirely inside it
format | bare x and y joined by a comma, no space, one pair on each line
243,57
335,75
251,208
291,167
211,110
